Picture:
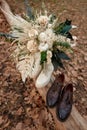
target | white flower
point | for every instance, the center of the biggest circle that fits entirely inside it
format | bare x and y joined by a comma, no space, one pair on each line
75,38
32,46
47,37
43,20
43,47
50,26
61,38
68,40
32,33
42,37
73,44
51,37
73,26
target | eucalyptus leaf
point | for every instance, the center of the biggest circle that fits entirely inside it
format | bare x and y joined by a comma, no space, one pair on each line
63,28
62,55
56,60
57,55
7,35
28,10
57,63
69,35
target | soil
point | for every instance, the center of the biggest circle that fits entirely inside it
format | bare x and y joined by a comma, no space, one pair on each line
21,106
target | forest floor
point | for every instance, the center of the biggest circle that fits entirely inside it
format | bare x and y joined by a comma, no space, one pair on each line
21,106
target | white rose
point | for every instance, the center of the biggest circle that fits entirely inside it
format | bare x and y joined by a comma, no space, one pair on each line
43,47
42,37
51,37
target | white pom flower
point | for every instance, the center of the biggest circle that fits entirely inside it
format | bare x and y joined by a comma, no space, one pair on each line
61,38
43,47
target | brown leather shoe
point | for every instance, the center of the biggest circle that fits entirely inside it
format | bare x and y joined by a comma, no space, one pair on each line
65,106
54,92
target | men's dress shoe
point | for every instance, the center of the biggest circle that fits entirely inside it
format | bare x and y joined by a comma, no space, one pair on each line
54,91
65,106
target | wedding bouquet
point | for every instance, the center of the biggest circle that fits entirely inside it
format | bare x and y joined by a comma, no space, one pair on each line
40,42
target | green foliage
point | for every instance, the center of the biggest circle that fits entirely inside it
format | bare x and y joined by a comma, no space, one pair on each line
58,28
62,44
57,57
43,57
52,18
29,10
62,55
63,28
27,18
7,35
56,60
18,29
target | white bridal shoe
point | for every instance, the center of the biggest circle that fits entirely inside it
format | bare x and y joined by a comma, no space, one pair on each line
45,76
36,68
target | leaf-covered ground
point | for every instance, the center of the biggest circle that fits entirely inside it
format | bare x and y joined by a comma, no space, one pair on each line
21,106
